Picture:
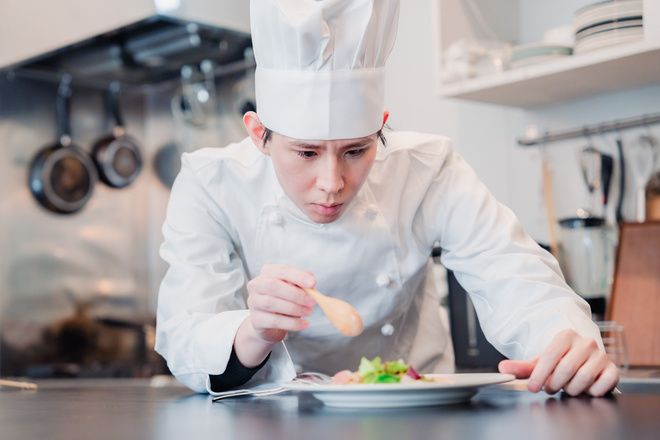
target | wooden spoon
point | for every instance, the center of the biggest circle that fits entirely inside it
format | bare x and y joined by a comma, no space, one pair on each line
339,312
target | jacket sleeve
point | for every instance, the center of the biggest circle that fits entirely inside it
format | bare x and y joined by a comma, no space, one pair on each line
200,302
517,288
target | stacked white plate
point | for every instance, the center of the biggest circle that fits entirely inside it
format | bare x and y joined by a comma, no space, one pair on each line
533,53
607,24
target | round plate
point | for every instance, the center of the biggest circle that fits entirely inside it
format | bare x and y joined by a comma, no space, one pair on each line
397,395
538,49
529,61
606,27
606,11
609,38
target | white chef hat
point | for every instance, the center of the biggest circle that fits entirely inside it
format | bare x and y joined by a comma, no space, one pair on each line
320,65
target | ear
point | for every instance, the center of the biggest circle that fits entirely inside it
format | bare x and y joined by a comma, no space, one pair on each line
386,115
255,130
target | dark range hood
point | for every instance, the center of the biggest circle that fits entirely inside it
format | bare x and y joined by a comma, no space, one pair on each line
146,52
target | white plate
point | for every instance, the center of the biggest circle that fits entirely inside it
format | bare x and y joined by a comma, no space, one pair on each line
529,61
536,49
606,27
608,39
397,395
606,11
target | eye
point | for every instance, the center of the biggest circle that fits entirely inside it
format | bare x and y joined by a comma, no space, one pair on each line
356,153
307,154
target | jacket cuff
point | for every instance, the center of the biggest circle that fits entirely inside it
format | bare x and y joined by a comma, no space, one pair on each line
235,374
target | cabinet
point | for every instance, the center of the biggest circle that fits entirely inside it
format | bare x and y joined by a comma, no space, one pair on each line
618,67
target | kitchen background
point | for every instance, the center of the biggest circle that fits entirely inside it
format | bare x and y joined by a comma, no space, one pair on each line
78,291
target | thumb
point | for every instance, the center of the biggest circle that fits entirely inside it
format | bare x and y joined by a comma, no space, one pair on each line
520,369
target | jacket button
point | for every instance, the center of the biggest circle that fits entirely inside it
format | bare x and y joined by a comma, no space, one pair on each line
387,330
383,280
276,218
372,211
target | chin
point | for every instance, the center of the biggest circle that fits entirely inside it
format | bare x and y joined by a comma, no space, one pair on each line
324,219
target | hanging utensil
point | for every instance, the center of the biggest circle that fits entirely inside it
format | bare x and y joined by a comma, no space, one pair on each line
196,104
622,180
548,197
167,163
62,176
642,155
117,156
606,170
590,163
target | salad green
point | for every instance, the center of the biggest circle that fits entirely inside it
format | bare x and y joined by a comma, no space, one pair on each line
375,371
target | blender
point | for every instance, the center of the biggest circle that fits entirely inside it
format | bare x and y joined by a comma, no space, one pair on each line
586,242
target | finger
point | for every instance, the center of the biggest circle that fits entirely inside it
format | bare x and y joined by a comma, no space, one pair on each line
581,349
290,274
549,360
587,374
520,369
276,287
606,381
262,321
273,304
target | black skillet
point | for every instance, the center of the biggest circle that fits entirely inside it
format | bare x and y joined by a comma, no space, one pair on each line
61,176
117,156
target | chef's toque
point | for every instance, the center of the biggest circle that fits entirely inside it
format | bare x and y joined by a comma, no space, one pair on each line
320,65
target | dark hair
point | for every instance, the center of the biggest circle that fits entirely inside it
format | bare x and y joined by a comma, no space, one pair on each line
268,133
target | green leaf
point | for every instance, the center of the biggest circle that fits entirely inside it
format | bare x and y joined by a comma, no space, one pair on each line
388,378
396,367
370,378
370,367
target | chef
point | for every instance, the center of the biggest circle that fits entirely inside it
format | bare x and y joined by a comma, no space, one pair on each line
320,195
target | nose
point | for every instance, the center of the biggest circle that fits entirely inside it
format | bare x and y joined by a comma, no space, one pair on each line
330,178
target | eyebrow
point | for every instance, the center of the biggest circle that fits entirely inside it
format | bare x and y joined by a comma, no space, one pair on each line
357,144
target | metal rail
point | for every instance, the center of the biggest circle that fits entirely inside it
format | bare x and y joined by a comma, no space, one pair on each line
589,130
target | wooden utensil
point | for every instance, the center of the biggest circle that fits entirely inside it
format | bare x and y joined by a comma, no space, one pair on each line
549,203
340,313
14,384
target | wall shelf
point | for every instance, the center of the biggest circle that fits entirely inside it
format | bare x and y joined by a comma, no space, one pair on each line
617,68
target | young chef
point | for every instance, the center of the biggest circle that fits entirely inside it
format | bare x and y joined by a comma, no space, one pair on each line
323,201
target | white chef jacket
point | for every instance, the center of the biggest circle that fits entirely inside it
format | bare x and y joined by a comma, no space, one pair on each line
228,216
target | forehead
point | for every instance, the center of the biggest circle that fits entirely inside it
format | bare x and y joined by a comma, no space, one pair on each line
329,144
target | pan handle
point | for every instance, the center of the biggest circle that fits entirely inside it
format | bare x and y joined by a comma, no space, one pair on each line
63,109
112,107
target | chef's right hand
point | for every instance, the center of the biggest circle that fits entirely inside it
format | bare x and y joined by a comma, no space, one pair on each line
277,304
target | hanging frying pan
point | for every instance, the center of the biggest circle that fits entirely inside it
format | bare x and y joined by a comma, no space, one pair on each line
117,156
61,177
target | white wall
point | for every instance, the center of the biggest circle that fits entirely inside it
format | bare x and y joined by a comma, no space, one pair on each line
486,135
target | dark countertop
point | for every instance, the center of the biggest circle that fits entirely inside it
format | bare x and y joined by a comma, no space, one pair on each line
132,409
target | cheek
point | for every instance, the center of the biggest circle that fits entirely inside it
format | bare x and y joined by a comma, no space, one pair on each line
362,171
292,176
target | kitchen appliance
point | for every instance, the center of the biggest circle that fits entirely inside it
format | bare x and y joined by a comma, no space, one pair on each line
586,256
472,351
128,40
62,176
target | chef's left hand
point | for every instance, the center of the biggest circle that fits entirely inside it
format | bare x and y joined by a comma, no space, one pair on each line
572,362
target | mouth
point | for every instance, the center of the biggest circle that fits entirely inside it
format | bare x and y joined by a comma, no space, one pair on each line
327,209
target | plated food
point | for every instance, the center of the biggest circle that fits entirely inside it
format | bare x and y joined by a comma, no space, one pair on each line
376,372
428,390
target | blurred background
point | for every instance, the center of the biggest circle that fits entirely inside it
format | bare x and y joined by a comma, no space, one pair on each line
554,104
